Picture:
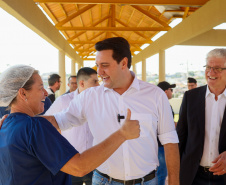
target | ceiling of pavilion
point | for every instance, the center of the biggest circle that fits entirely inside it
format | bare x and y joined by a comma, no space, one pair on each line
85,22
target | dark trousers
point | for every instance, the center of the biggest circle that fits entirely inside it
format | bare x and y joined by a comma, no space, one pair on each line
205,177
87,179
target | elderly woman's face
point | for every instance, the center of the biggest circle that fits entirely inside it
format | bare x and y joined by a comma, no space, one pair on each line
36,96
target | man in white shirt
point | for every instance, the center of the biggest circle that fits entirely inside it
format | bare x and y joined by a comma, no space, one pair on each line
79,137
202,127
72,83
104,108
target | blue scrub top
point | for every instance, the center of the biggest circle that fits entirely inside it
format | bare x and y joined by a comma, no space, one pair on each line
32,152
4,111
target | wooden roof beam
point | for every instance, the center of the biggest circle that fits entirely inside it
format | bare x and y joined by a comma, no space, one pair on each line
150,15
134,2
88,58
95,36
95,24
69,18
179,11
107,29
138,33
94,42
91,50
46,9
186,12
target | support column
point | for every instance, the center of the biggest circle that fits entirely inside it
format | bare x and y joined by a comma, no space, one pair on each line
162,70
144,70
73,67
134,68
62,72
79,66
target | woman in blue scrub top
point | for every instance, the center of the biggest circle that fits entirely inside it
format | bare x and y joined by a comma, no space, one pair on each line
31,150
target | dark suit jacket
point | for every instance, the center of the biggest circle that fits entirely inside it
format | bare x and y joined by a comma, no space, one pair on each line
191,133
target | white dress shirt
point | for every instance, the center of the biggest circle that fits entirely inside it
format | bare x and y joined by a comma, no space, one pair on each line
214,112
79,137
99,106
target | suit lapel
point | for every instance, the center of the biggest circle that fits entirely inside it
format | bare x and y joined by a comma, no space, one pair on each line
202,94
222,132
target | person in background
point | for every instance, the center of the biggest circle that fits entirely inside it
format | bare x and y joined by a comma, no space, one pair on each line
54,85
162,169
32,151
79,137
104,108
72,84
192,83
202,127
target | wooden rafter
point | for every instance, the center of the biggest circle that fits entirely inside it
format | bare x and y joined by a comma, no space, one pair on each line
95,24
74,15
65,13
107,29
80,18
95,36
179,11
134,45
94,42
48,11
134,2
138,33
150,15
186,12
83,25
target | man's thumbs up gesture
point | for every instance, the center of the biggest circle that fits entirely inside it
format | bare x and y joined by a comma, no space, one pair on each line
130,128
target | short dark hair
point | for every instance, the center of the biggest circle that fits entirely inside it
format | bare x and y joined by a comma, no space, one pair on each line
192,80
84,73
120,47
72,76
53,78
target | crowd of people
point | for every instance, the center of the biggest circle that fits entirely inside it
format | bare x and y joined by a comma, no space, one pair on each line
119,132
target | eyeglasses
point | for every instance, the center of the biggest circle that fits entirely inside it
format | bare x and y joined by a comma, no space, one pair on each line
215,69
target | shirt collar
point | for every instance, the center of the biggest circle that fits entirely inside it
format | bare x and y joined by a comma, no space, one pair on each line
208,92
135,84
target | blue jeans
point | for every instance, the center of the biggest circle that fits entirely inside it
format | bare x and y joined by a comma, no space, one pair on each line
100,180
162,170
87,179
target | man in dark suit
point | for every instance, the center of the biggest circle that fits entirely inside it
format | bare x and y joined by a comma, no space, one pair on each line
202,127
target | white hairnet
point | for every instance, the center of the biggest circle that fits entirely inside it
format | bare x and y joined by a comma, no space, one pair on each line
11,80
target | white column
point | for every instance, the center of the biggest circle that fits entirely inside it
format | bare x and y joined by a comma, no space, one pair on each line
162,71
79,66
144,70
134,68
73,67
62,72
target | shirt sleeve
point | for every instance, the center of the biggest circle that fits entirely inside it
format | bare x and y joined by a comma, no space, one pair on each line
46,143
55,107
74,115
166,127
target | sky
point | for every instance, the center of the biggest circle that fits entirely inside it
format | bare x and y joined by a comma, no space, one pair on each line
20,45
